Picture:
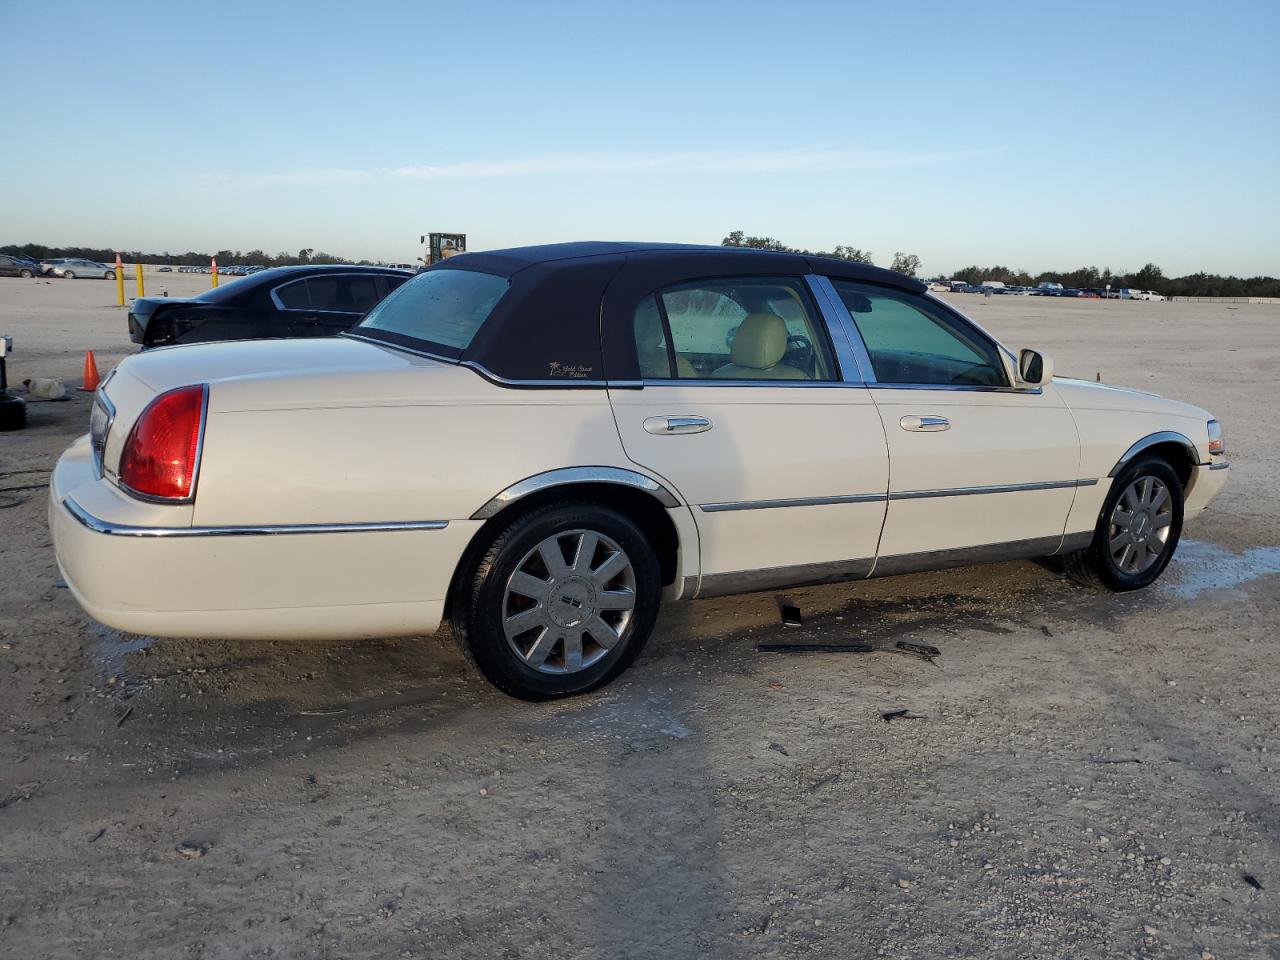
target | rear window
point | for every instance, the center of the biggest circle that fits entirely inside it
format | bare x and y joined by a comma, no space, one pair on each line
442,308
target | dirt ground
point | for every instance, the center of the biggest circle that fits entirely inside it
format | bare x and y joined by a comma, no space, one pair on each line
1087,775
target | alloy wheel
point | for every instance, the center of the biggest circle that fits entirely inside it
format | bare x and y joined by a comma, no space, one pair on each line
569,602
1138,528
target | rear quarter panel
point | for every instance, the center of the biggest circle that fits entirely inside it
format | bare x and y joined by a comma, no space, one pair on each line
397,453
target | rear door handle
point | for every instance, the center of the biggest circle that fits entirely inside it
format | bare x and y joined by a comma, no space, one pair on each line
665,426
925,424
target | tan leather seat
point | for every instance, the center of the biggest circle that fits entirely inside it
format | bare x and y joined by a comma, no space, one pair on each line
759,344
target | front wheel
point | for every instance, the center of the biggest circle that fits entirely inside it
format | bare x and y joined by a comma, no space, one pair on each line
1137,532
560,603
109,275
25,274
68,275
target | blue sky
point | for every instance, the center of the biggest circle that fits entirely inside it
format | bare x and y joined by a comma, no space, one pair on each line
1034,135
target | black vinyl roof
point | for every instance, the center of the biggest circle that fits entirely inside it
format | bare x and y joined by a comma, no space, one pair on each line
663,256
567,316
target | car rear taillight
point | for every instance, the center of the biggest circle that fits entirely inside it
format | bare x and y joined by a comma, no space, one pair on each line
162,454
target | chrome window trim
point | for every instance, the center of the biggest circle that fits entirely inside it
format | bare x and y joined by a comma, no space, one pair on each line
98,525
858,369
558,383
711,382
195,470
570,475
1149,441
288,283
958,387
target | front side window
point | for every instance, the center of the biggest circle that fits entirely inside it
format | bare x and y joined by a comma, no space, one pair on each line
912,341
742,328
440,307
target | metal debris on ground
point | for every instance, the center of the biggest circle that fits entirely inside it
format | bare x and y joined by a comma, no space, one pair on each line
890,715
923,651
192,851
790,613
1251,880
123,717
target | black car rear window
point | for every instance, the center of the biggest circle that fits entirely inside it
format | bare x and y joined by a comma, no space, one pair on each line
438,308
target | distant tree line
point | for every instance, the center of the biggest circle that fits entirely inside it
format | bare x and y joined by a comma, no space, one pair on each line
1150,277
226,258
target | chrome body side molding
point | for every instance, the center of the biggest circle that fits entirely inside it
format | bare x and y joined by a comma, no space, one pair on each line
997,488
900,495
798,502
1164,436
568,475
98,525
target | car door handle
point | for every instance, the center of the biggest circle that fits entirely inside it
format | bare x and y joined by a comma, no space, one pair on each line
925,424
665,426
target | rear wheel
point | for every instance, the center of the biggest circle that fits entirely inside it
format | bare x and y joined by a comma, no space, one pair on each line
110,275
68,275
25,274
1138,530
560,603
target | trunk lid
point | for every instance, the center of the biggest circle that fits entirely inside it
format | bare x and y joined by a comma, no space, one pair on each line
276,375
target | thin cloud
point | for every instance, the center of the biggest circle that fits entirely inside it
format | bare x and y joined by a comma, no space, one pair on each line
804,160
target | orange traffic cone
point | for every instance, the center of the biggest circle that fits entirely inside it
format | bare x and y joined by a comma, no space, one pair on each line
90,372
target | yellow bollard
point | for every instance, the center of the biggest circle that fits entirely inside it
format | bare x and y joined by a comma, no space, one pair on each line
213,269
142,286
119,282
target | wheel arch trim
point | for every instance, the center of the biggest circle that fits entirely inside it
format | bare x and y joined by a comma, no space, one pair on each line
567,476
1152,440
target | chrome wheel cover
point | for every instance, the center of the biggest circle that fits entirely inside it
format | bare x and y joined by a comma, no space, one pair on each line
569,602
1138,528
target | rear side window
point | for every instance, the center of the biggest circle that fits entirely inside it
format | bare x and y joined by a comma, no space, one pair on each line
439,307
341,293
911,341
741,328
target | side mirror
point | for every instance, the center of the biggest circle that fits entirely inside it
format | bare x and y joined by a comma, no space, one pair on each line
1034,368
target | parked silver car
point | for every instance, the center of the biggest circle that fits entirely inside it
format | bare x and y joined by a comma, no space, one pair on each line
72,267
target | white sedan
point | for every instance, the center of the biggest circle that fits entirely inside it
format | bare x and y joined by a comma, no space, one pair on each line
539,445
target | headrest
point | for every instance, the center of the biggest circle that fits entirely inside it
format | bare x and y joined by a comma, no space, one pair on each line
760,342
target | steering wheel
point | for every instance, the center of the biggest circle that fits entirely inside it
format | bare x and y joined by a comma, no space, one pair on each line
800,353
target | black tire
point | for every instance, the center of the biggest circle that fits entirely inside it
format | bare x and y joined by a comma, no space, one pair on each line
109,275
13,412
1095,565
480,601
25,274
68,275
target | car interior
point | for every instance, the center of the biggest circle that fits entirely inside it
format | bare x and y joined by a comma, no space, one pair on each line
744,329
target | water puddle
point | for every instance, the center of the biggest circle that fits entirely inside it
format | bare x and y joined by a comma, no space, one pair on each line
1207,566
110,647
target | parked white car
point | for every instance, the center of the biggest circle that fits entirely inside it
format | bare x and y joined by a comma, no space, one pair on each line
540,444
